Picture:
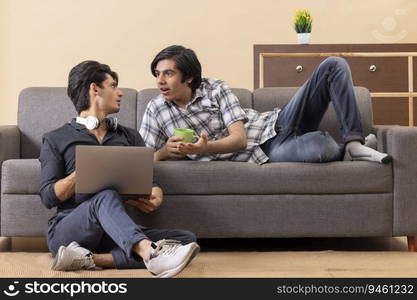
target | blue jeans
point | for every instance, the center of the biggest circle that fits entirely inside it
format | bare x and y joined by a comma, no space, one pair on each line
297,138
102,225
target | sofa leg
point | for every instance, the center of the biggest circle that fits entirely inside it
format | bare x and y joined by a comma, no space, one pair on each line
5,244
412,243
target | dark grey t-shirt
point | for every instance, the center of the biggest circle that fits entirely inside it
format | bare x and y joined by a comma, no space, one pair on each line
57,157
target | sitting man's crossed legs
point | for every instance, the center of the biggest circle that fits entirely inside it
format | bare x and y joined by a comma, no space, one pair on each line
102,225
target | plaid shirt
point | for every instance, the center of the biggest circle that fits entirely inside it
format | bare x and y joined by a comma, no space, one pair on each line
212,109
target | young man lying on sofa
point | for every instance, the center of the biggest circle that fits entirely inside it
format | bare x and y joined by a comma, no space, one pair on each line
228,132
100,223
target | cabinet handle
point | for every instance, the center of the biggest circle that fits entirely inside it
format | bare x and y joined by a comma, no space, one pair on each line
299,68
372,68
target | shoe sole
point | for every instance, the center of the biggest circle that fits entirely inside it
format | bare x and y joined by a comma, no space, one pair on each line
59,259
179,268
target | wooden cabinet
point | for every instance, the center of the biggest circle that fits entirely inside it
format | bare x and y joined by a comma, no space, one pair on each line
385,69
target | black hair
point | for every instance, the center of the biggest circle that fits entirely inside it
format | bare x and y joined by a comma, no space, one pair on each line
80,78
185,60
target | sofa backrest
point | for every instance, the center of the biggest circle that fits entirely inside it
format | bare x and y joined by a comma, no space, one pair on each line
265,99
42,109
144,96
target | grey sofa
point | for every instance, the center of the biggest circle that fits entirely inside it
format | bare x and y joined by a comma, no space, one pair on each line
231,199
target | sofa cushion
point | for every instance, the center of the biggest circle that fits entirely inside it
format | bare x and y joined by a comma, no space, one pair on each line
266,99
217,178
22,212
211,216
20,176
356,199
33,121
24,215
255,216
144,96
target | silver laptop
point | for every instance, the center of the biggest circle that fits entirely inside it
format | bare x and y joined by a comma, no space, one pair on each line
129,170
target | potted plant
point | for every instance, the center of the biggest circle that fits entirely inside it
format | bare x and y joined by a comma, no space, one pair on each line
302,25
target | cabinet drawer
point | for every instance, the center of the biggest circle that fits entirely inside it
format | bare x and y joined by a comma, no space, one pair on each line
390,73
282,71
390,111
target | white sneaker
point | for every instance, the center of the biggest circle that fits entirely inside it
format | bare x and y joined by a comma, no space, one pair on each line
169,257
73,257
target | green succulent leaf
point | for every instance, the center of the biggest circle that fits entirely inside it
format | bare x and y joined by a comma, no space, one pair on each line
303,21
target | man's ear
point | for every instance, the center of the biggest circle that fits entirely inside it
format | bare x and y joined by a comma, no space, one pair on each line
189,80
93,89
92,92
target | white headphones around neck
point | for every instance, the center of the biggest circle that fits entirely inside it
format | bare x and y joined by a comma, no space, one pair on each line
92,122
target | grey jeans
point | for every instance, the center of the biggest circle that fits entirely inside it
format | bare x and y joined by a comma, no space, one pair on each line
102,225
297,138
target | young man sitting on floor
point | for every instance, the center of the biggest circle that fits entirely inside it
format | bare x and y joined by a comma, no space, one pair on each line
97,232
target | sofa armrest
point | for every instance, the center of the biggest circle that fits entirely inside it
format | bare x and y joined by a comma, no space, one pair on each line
402,145
381,132
9,143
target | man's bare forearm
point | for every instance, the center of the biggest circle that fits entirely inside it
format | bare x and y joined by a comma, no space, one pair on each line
65,187
236,140
229,144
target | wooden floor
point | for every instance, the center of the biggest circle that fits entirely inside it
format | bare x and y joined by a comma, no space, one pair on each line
347,257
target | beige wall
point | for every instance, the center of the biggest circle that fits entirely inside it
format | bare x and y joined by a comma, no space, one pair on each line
40,40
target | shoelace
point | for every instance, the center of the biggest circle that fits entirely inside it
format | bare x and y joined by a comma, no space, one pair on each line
166,247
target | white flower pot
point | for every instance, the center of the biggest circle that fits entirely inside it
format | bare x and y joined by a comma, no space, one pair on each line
303,38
